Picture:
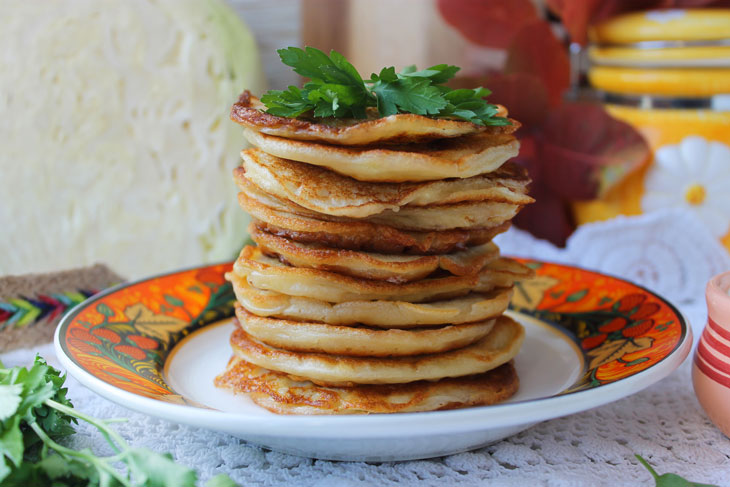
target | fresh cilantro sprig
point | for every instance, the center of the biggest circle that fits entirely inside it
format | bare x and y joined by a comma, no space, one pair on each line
35,415
336,89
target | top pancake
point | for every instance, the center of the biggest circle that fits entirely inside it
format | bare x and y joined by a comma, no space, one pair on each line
400,128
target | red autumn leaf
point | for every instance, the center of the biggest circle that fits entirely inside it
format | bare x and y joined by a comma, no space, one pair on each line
535,50
492,23
547,218
585,152
614,325
524,95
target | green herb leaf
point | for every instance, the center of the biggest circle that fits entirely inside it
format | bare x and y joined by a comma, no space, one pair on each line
438,74
669,479
337,90
152,469
221,480
9,400
410,95
290,103
11,441
34,413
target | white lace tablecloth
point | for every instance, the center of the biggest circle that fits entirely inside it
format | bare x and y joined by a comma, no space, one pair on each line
671,253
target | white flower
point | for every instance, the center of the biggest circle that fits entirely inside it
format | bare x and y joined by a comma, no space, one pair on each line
693,174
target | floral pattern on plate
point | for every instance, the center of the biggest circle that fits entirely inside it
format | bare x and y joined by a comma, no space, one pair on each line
124,335
622,328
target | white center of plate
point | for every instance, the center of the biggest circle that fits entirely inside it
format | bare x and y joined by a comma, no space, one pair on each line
549,362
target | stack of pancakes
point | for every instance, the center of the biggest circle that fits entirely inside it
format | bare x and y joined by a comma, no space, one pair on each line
374,286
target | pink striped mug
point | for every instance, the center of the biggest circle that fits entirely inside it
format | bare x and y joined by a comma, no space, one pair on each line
711,368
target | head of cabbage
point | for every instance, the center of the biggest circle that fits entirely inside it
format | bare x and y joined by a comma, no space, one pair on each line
116,144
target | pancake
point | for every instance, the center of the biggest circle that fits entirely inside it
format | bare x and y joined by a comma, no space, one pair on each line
386,314
280,394
362,341
359,235
388,267
270,274
465,215
461,157
323,191
498,347
401,128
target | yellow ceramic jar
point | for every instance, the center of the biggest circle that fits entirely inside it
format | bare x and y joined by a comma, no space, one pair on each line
668,74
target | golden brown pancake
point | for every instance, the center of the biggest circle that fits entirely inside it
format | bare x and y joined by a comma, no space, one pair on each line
359,341
498,347
359,235
464,215
270,274
368,265
281,394
461,157
380,313
324,191
401,128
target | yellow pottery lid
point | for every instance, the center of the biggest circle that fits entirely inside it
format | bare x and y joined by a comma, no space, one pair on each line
664,25
676,53
663,82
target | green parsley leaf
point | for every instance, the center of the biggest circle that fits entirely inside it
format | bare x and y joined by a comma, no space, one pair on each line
669,479
409,95
290,103
152,469
221,480
438,74
11,441
9,399
336,90
34,413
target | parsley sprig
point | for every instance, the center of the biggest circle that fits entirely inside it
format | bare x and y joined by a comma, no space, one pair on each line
669,479
35,417
336,89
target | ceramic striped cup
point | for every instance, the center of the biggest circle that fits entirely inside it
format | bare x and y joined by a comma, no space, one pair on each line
711,368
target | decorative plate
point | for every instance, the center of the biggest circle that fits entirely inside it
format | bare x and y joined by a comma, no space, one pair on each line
155,346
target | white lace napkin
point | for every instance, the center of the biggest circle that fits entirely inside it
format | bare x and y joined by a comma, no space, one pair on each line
670,253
